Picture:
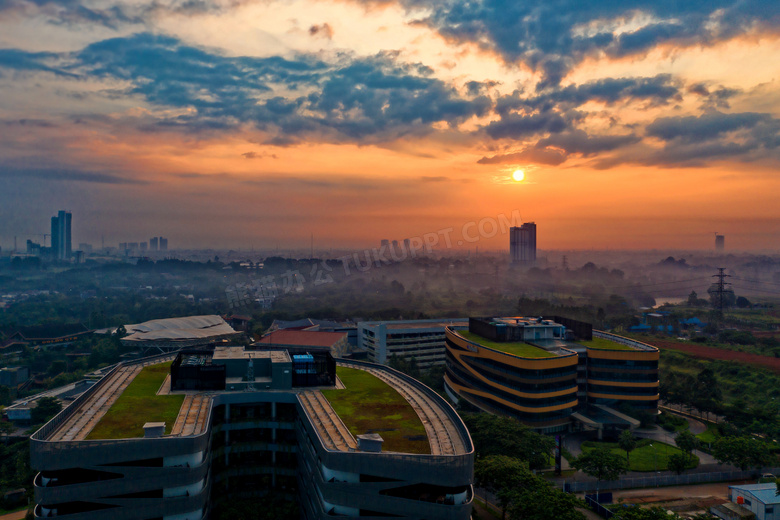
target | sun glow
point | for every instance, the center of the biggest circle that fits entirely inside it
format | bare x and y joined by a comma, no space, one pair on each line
518,175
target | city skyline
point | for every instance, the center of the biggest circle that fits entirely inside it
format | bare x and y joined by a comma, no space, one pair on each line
242,124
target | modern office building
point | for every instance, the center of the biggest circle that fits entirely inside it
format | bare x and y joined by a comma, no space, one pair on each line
421,340
61,245
720,242
154,244
522,243
251,423
163,244
553,374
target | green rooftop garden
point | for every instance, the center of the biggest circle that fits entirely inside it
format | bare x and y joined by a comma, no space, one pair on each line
516,348
369,405
605,344
139,404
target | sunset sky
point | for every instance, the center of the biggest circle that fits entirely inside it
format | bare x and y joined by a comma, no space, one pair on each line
253,123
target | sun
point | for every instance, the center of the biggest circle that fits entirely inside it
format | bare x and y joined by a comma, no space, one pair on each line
518,175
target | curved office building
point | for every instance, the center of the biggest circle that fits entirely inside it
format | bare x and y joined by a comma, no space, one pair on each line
548,376
501,373
628,375
250,423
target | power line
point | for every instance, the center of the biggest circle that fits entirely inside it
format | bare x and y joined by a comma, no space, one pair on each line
755,281
659,283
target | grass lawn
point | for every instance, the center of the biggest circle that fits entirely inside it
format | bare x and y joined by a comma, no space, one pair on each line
137,405
604,343
710,435
516,348
644,457
369,405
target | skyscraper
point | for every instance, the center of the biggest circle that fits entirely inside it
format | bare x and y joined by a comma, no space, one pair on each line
522,243
60,236
163,244
720,242
153,244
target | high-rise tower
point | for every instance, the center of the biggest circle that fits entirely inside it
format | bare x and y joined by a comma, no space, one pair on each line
60,236
522,243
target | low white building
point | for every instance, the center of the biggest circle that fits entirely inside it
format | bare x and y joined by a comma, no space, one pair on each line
761,499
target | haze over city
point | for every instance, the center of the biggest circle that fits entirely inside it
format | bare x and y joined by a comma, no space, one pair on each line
255,124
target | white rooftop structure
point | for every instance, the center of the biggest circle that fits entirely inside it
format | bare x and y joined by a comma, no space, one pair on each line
178,332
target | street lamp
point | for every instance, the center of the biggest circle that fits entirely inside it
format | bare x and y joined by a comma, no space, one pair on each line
655,464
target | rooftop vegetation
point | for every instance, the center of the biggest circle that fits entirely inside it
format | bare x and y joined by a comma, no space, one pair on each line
516,348
139,404
605,344
369,405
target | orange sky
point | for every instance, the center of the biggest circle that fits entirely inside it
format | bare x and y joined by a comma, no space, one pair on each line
255,124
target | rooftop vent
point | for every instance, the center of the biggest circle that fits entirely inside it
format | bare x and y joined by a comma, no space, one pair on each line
154,429
370,442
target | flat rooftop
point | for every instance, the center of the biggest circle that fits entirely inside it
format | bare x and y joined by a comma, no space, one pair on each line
515,348
604,343
417,324
276,356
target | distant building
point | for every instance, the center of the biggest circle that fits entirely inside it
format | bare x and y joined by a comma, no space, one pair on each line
33,248
14,376
348,327
760,499
422,340
87,248
385,243
335,342
154,244
60,236
46,335
522,243
163,244
143,246
720,242
172,334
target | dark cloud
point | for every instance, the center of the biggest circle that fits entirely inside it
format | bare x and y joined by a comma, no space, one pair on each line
325,30
531,155
64,174
579,142
706,127
551,36
360,99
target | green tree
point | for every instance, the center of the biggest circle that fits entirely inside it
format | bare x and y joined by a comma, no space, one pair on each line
497,435
602,464
743,452
627,442
521,494
500,475
707,394
6,397
687,442
45,409
678,462
6,428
